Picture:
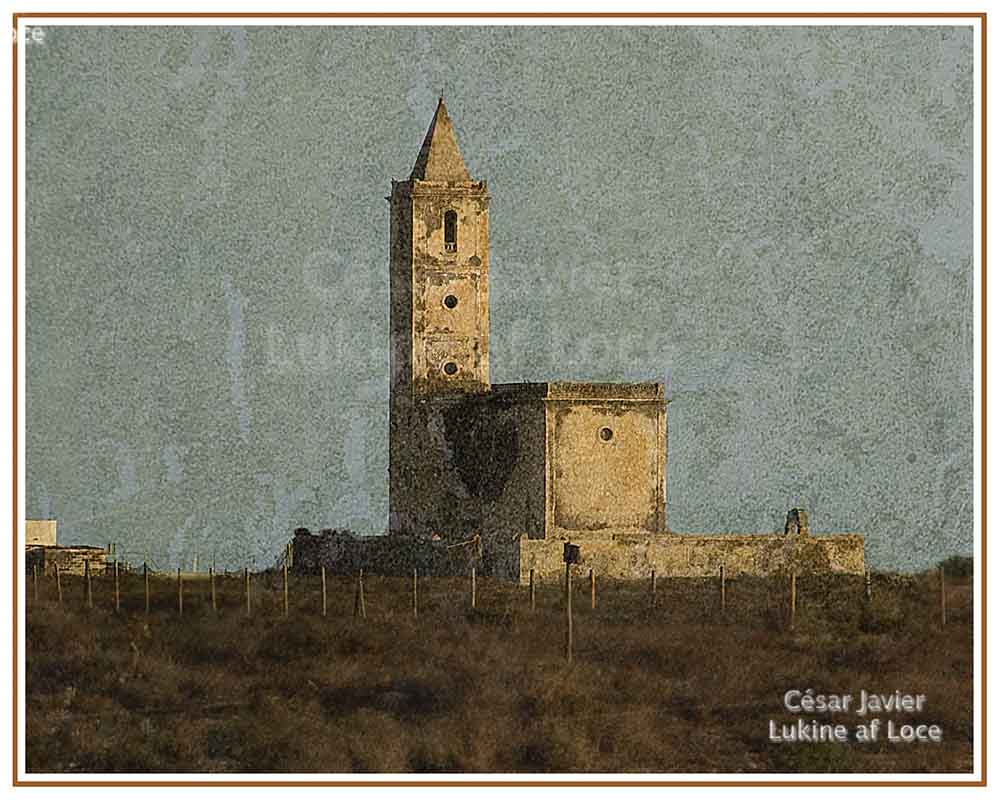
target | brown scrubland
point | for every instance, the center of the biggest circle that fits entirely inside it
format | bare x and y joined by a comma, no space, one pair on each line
675,687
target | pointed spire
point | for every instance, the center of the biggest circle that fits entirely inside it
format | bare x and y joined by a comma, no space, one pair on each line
440,159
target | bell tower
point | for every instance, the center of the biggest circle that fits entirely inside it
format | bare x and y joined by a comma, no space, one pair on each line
439,273
439,320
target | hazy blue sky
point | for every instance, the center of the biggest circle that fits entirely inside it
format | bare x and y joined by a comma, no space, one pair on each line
777,222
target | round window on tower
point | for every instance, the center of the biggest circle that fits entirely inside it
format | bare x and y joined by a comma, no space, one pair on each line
606,434
450,368
450,301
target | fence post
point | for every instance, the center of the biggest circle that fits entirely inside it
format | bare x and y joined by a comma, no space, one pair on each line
180,593
145,580
284,585
90,591
722,589
652,588
791,620
118,602
59,586
414,592
593,591
246,589
359,596
473,585
322,580
211,580
944,597
531,587
868,585
364,609
569,614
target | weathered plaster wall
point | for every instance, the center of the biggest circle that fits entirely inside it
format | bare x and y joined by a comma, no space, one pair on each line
684,555
40,531
529,460
606,458
425,332
460,334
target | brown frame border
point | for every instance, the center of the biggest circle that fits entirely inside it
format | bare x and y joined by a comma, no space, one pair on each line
981,16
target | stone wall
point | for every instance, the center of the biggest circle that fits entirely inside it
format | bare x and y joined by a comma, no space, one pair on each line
620,556
343,553
70,560
689,555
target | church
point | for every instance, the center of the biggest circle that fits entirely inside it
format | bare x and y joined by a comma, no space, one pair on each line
522,469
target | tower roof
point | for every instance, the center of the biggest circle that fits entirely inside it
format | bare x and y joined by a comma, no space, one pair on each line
439,158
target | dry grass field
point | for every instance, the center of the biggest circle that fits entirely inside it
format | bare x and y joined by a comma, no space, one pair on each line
671,689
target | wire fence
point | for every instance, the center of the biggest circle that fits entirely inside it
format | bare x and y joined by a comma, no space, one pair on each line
161,560
777,599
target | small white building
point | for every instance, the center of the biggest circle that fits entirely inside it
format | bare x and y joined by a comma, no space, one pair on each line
40,531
